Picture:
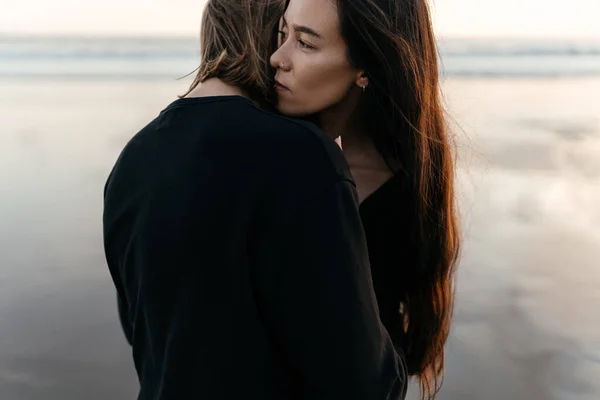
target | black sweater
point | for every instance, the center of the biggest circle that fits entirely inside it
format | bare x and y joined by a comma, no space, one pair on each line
234,240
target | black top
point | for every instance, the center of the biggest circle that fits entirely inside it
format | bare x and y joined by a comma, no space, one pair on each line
384,213
234,241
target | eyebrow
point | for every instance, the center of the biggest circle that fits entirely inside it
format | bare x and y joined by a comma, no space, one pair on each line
303,29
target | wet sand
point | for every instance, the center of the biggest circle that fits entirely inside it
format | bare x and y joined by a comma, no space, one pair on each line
529,281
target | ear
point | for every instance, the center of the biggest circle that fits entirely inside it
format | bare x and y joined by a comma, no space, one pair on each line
362,80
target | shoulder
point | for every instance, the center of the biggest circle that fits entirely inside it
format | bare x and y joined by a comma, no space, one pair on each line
293,162
297,144
234,125
233,140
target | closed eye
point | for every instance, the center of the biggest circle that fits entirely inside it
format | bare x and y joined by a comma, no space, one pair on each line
304,45
301,43
282,37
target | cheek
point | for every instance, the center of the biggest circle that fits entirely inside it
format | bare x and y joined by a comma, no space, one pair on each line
317,85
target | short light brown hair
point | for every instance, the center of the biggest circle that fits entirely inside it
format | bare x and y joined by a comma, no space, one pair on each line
236,41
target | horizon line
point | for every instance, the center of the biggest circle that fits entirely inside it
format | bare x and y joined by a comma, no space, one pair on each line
182,36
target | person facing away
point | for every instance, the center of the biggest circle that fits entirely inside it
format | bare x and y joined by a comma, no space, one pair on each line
367,71
235,244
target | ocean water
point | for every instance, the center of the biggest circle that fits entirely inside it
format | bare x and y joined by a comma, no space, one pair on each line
152,59
526,119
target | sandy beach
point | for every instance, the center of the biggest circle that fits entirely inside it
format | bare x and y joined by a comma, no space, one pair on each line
528,287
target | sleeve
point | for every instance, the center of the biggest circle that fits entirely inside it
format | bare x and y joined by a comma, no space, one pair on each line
124,318
122,305
318,304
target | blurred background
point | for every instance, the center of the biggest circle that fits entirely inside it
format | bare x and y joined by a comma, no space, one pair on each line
522,86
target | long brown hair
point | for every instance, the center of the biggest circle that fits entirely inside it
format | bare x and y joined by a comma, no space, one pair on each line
235,45
393,42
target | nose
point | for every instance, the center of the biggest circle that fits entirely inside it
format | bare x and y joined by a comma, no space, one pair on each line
280,60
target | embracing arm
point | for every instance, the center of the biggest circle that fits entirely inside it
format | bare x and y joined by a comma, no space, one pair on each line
317,300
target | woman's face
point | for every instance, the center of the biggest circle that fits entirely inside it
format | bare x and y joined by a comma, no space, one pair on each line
313,71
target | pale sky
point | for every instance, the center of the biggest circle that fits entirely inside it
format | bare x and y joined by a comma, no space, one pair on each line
529,18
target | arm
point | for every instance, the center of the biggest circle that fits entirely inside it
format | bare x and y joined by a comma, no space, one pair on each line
124,318
317,300
122,305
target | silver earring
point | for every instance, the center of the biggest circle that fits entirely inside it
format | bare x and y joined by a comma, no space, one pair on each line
364,87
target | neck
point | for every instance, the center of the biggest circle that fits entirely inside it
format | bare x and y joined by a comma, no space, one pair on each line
216,87
334,122
358,147
338,120
366,164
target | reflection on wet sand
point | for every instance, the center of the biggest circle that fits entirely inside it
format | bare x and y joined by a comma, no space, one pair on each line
528,288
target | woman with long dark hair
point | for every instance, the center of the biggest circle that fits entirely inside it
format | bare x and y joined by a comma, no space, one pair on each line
367,71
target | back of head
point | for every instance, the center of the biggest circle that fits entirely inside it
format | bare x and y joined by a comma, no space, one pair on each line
392,41
236,40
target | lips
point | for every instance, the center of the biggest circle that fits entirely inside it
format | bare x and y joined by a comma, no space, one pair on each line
279,86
